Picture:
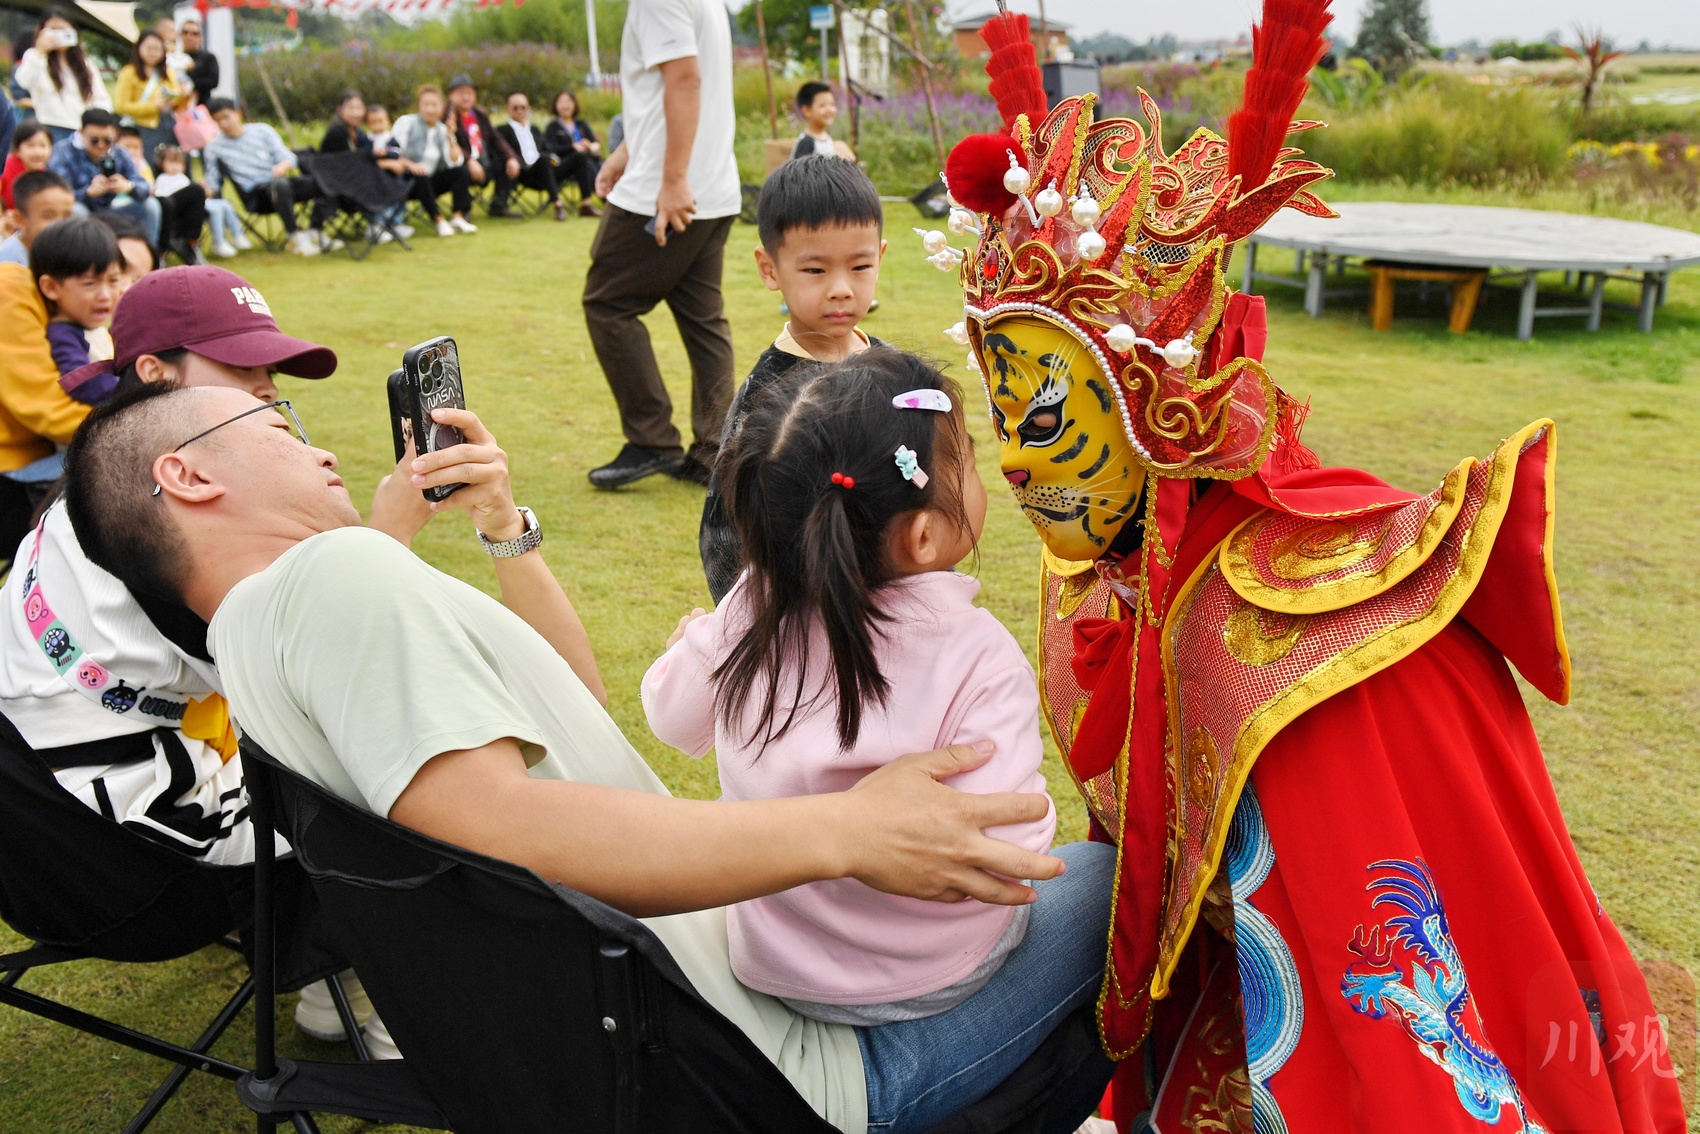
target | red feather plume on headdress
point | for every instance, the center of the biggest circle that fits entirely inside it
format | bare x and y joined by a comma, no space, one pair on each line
976,166
1284,48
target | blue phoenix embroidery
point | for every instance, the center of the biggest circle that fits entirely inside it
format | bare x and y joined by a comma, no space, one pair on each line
1432,1003
1272,999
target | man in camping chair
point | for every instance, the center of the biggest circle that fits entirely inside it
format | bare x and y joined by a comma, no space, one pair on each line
418,697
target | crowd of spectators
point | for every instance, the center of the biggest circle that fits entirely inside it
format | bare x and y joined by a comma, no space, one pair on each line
123,153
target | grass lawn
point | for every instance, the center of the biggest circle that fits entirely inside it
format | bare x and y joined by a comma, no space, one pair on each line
1407,405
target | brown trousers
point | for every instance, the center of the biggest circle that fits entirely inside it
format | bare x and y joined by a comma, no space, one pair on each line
629,274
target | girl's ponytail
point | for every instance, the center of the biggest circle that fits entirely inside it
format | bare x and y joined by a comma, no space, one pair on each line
812,484
836,582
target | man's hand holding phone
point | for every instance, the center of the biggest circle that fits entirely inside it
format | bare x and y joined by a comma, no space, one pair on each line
399,507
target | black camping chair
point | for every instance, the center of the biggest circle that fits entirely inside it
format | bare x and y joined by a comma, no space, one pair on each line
518,1002
82,886
268,234
366,199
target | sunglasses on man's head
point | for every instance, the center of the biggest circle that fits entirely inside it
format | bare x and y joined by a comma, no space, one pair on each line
299,433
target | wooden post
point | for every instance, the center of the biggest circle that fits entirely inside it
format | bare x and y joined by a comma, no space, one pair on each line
1044,34
926,78
766,70
844,71
271,93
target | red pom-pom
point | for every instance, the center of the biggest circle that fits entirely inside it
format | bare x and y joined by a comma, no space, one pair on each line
975,171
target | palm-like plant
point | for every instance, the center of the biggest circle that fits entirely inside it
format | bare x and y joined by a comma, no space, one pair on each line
1593,52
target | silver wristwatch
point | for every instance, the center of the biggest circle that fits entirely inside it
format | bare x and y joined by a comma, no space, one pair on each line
529,540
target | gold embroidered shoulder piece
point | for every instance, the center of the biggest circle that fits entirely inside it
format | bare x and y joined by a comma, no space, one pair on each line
1070,590
1246,648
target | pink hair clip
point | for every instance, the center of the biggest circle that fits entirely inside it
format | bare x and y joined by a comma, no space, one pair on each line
936,400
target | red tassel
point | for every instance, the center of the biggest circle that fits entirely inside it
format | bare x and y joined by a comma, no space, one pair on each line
1017,86
1290,454
1284,48
975,170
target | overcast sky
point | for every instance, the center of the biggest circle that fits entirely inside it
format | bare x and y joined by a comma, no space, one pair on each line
1626,21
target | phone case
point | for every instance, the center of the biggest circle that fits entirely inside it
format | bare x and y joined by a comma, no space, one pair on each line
432,373
401,416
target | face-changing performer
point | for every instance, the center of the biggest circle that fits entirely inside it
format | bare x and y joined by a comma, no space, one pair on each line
1347,899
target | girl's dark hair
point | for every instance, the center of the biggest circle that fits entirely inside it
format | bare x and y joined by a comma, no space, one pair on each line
343,100
68,248
26,130
816,550
169,151
136,55
74,58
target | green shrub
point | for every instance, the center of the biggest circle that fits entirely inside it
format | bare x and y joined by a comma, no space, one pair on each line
1446,132
1623,121
309,83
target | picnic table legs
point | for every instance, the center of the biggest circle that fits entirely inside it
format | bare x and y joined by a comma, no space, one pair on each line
1652,287
1315,280
1526,309
1597,301
1465,293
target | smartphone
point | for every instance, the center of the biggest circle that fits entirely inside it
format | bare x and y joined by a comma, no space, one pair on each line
430,379
401,416
65,37
649,226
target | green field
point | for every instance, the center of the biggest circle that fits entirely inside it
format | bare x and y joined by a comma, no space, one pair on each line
1407,405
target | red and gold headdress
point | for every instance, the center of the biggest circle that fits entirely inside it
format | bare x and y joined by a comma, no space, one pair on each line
1091,226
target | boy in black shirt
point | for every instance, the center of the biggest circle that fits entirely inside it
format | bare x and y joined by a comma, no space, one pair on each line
821,223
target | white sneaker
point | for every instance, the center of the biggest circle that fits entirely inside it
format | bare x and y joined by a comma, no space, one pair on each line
316,1015
304,244
379,1045
402,230
1097,1126
444,228
223,249
325,241
461,224
376,235
241,241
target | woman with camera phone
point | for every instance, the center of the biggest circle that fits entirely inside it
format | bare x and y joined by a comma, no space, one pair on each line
60,79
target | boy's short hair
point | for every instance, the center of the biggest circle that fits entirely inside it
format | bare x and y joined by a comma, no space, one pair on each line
95,116
216,105
129,132
816,191
36,181
375,108
809,91
68,248
427,88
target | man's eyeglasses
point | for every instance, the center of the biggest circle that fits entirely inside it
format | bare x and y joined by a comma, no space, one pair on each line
299,433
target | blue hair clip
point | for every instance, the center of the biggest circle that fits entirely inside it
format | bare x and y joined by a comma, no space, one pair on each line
910,466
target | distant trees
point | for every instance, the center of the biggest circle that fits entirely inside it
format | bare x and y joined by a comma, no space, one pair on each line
1393,35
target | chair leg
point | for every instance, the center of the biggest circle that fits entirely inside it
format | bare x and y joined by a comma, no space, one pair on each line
214,1030
333,984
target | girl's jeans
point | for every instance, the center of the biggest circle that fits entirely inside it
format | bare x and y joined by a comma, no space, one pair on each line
921,1072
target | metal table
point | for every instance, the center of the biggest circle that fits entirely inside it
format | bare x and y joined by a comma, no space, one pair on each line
1523,242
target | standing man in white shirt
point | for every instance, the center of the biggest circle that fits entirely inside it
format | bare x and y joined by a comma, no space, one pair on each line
672,191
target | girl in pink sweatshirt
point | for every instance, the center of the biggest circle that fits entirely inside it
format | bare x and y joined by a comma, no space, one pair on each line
849,640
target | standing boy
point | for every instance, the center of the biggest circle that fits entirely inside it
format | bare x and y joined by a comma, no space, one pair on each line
672,190
818,107
821,228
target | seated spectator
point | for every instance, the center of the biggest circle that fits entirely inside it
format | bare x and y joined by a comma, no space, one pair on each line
42,198
346,133
137,256
76,266
61,80
437,748
432,155
488,157
101,175
389,159
149,93
36,415
173,178
818,107
32,148
537,164
130,141
572,140
267,176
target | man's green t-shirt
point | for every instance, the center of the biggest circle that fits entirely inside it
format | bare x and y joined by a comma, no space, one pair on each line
353,663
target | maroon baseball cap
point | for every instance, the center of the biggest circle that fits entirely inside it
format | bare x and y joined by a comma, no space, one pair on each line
211,311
